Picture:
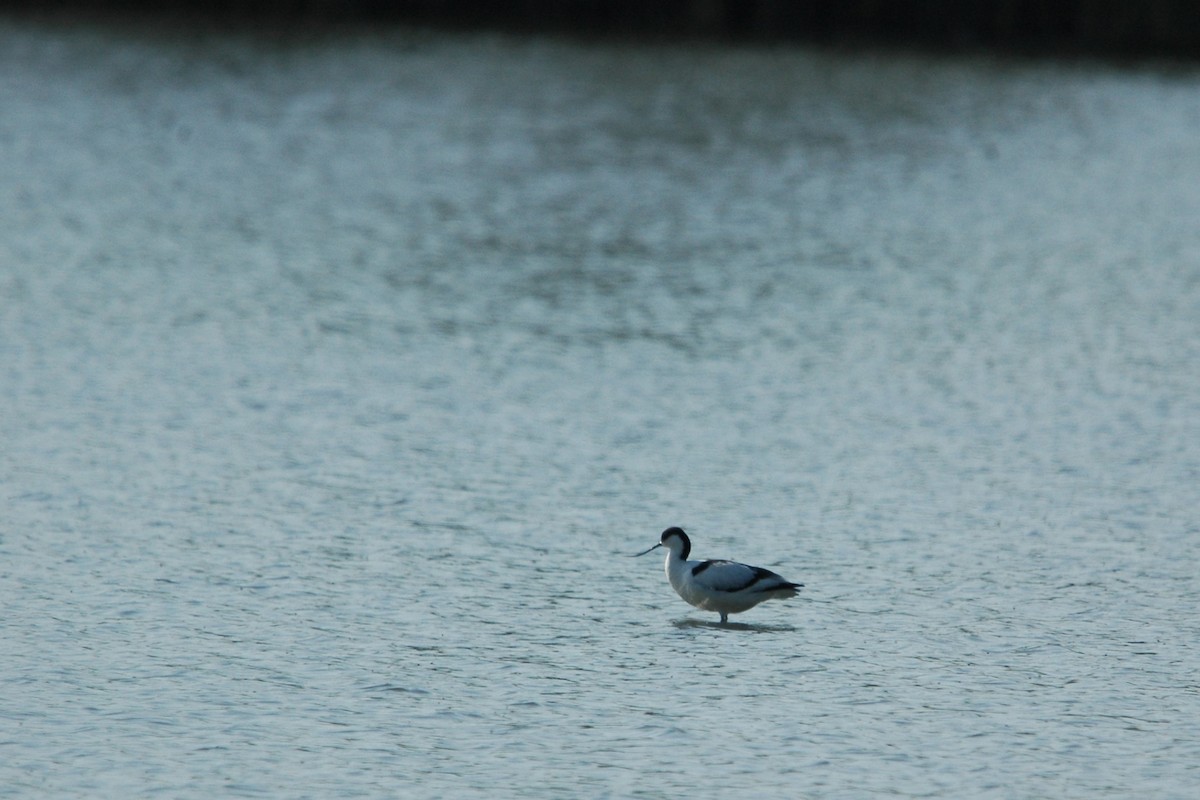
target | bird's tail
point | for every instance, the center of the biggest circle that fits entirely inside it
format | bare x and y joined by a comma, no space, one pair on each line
783,590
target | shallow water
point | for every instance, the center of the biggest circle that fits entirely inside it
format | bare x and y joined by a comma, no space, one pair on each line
340,379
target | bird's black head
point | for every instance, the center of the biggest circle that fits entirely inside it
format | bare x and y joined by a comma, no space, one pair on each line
672,533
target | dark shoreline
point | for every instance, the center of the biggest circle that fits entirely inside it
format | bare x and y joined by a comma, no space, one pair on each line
1104,28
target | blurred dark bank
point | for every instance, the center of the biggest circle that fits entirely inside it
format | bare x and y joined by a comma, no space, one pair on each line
1148,28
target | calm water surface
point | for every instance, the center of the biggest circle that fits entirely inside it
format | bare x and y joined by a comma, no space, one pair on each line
340,379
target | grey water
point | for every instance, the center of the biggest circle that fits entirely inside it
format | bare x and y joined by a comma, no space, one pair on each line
341,377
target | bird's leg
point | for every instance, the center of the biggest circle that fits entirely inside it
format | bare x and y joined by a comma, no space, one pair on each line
724,618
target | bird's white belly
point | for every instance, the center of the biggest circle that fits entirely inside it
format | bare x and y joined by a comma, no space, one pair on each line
729,603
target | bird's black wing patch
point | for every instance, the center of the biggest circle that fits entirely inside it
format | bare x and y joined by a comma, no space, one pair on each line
761,575
723,578
730,576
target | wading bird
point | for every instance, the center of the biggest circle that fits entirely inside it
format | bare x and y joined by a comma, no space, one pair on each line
725,587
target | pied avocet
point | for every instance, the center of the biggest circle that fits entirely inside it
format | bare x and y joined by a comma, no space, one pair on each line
726,587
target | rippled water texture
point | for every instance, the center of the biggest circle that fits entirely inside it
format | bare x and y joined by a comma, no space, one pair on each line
340,379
